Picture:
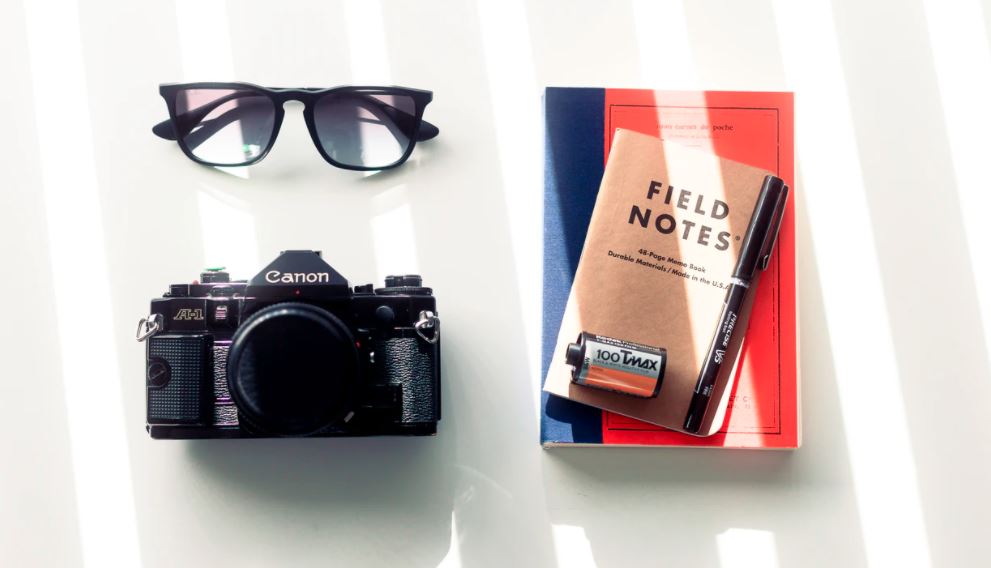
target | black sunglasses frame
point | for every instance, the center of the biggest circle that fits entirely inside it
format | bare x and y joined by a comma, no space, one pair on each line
308,96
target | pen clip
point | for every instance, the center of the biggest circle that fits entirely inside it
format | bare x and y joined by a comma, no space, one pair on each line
771,238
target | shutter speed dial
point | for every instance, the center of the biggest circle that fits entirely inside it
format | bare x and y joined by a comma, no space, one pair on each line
411,284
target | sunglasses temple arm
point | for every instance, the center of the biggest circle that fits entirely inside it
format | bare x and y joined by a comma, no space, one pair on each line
210,127
189,119
207,127
427,130
214,125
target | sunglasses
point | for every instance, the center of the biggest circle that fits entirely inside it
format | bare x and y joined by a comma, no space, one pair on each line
355,128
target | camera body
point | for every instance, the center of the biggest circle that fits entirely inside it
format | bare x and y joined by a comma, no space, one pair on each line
295,351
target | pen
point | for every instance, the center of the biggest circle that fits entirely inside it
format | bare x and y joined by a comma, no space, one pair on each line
754,252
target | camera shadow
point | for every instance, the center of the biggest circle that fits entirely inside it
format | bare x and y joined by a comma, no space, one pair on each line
359,494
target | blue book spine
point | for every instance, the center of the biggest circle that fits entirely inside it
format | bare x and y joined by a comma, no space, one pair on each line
574,145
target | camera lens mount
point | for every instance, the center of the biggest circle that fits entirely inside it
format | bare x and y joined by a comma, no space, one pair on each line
292,369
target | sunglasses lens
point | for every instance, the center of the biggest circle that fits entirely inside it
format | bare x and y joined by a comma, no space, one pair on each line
369,130
225,127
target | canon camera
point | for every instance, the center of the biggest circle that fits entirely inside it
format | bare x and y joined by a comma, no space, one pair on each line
295,351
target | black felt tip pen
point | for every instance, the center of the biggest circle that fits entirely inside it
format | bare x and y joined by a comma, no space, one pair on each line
755,252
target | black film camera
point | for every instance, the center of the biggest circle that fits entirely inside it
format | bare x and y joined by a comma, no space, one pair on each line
293,352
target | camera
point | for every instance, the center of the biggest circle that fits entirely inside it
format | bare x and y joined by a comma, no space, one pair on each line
295,351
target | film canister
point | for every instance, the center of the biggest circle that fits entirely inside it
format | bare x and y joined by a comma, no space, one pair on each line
616,365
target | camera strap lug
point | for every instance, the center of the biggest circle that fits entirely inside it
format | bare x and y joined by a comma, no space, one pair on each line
148,326
428,327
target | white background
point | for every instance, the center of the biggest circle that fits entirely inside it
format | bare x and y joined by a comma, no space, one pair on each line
97,216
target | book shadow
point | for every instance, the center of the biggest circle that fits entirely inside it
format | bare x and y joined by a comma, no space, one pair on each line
714,491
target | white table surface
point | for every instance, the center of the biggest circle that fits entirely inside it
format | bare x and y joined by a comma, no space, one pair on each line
97,216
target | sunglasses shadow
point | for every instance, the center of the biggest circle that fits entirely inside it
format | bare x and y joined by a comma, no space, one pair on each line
382,176
276,169
422,156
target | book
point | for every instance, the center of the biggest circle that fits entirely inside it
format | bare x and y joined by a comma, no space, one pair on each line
755,129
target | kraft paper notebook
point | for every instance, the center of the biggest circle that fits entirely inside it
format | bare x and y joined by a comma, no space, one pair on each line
760,403
661,246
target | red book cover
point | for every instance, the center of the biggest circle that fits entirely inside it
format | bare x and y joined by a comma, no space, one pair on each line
756,129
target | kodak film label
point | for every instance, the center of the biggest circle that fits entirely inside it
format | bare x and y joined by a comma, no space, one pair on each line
620,366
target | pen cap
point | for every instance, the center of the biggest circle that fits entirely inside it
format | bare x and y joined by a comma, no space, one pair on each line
763,228
772,233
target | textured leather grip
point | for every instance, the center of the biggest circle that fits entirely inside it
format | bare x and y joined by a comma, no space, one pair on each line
183,398
414,365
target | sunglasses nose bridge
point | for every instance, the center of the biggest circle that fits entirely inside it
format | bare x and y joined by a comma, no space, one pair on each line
301,96
291,103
